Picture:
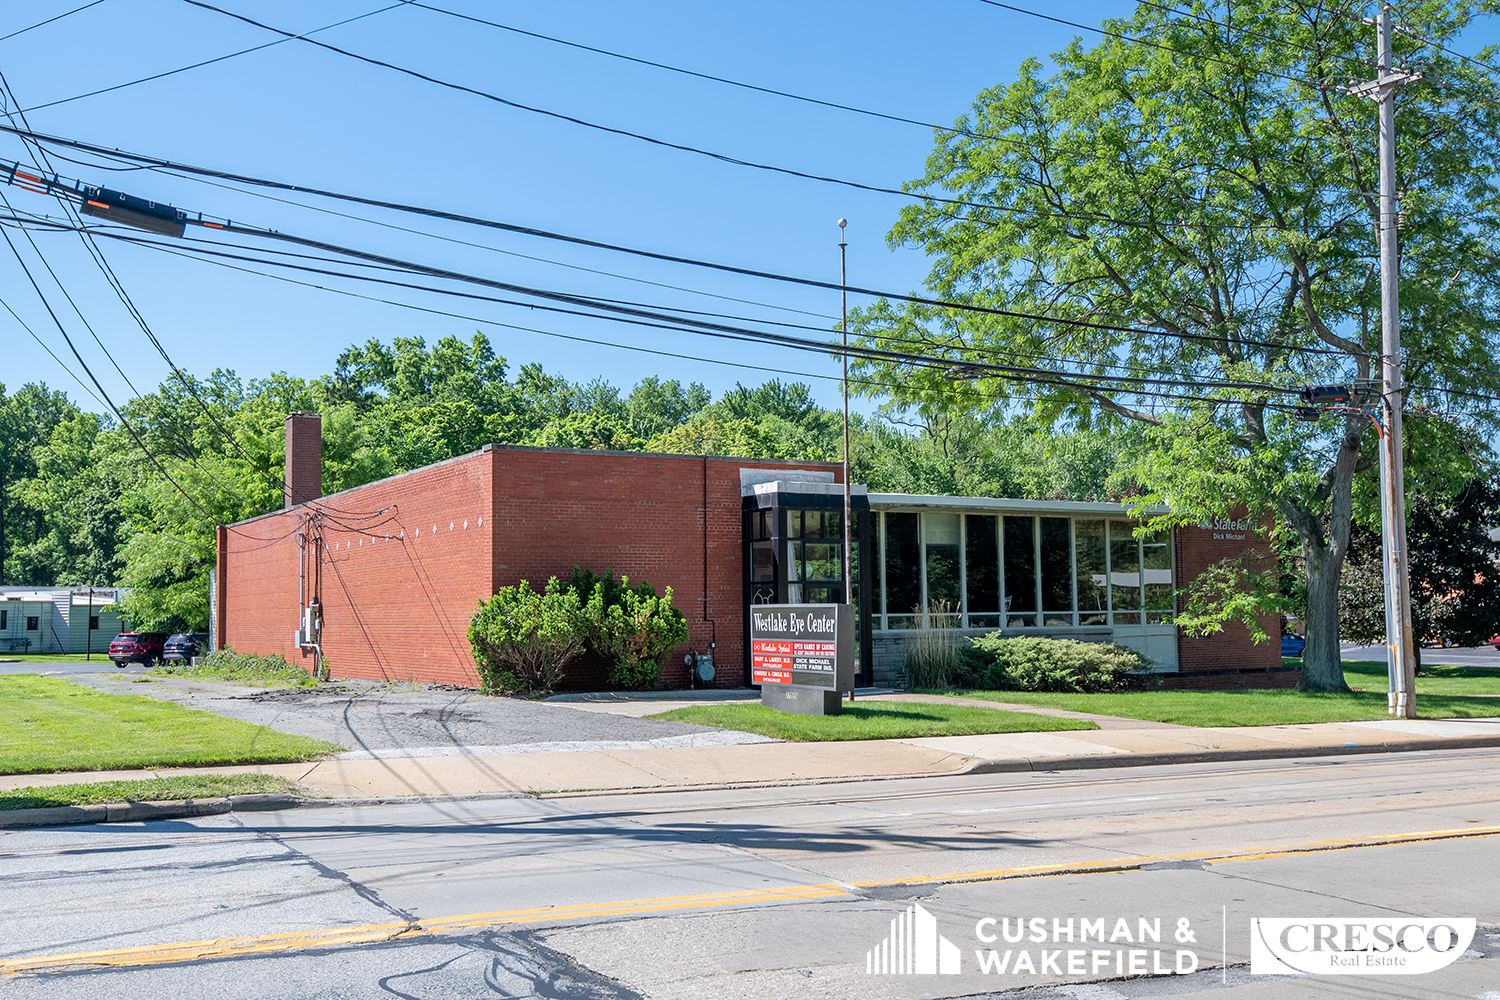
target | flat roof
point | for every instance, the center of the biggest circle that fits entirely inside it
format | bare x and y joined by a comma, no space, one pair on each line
890,501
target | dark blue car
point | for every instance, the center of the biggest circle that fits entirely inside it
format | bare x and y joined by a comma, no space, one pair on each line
1292,644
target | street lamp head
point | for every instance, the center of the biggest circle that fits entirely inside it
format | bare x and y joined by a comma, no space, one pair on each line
843,223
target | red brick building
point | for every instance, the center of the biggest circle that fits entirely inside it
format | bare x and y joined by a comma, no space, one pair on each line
382,579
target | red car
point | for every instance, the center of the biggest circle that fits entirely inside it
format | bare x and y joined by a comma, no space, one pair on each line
137,647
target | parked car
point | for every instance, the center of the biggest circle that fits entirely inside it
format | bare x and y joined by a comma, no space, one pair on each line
137,647
1494,640
1292,644
184,646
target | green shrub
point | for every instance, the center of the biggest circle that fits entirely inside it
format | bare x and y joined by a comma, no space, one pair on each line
1034,663
631,629
522,639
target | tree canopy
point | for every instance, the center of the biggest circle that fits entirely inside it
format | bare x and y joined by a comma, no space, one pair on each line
1190,203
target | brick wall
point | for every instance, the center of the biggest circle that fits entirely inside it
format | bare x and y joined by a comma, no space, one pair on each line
408,558
1231,651
639,515
403,563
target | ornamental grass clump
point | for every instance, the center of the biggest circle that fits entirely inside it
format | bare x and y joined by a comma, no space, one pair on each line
1034,663
933,659
523,639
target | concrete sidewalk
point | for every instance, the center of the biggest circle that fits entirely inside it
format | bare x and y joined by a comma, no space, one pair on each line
1122,743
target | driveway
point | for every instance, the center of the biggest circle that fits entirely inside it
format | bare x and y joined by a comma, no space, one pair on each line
414,720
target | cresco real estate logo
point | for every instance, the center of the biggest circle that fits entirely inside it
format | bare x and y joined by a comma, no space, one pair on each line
1336,946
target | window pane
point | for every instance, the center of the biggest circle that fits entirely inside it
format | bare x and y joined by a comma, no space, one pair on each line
942,563
833,524
1020,621
824,562
1020,565
1124,567
1092,596
1057,566
982,563
1156,559
984,621
794,560
794,524
902,583
762,563
812,524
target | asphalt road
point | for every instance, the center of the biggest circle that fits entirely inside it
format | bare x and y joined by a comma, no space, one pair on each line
770,892
99,665
1463,656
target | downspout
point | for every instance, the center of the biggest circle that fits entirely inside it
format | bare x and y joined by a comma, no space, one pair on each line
713,641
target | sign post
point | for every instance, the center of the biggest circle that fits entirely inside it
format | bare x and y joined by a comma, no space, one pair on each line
802,656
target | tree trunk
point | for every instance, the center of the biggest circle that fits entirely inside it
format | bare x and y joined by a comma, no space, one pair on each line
1322,667
1323,554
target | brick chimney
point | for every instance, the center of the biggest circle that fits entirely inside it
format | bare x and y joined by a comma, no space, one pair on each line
304,458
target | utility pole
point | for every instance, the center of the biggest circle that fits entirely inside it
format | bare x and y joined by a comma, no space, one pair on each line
1401,663
844,329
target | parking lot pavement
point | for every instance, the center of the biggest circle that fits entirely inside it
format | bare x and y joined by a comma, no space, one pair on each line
385,721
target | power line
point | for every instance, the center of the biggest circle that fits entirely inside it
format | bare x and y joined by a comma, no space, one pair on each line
682,147
206,62
1147,42
653,318
49,20
49,350
1042,376
670,258
715,79
109,402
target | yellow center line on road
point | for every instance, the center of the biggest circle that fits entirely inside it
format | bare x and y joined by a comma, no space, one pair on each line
261,944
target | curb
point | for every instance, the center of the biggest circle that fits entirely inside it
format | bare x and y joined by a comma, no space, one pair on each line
137,812
1099,761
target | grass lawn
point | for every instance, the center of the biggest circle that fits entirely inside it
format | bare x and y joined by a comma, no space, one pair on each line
870,721
199,786
1435,678
1452,693
47,724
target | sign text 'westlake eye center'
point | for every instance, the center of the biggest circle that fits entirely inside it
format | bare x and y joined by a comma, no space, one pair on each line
810,644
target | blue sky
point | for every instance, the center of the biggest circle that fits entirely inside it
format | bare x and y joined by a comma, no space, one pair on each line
297,113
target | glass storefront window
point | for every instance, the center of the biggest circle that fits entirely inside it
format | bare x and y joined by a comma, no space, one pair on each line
903,581
1124,573
1093,597
1020,572
982,569
943,591
1057,570
1156,565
